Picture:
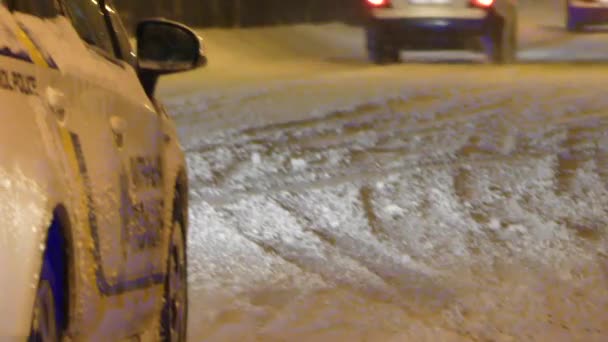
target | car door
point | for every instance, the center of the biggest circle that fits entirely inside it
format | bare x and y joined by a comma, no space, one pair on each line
141,152
98,96
135,130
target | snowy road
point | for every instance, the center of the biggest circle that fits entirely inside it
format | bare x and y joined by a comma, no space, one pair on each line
447,201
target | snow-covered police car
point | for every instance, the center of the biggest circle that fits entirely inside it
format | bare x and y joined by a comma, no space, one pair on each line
93,186
480,25
585,12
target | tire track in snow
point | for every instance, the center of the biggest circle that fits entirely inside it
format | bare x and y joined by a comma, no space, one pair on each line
413,286
364,114
419,130
415,102
436,100
228,169
355,239
481,152
447,150
343,139
375,173
297,245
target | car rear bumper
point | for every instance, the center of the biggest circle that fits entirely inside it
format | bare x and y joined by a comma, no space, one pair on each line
431,12
431,33
588,12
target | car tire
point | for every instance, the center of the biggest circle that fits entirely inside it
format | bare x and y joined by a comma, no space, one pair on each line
501,43
379,47
571,24
49,313
174,316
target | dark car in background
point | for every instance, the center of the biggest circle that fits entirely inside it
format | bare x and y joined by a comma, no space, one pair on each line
488,26
580,13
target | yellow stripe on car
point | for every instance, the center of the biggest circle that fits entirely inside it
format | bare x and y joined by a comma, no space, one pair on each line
68,146
32,49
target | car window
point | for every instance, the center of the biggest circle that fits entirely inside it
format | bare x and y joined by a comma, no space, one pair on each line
39,8
89,21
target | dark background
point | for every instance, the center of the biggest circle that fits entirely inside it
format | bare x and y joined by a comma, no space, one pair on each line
243,13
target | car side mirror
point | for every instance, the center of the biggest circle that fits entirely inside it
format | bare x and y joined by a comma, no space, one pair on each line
166,47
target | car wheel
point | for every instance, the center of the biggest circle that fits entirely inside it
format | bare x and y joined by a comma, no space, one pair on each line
49,314
392,55
513,39
175,309
380,49
501,43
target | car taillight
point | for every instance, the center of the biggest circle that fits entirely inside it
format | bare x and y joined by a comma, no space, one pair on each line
482,3
379,3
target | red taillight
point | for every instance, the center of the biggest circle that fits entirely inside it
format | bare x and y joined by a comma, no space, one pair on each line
378,3
482,3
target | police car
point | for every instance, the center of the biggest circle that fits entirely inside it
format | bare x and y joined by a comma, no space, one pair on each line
585,12
93,186
480,25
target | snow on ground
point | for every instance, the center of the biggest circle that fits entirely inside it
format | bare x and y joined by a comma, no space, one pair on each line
421,202
450,201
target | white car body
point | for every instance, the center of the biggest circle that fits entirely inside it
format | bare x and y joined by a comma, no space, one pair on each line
65,107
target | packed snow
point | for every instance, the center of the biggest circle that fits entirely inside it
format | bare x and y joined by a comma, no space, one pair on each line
442,201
